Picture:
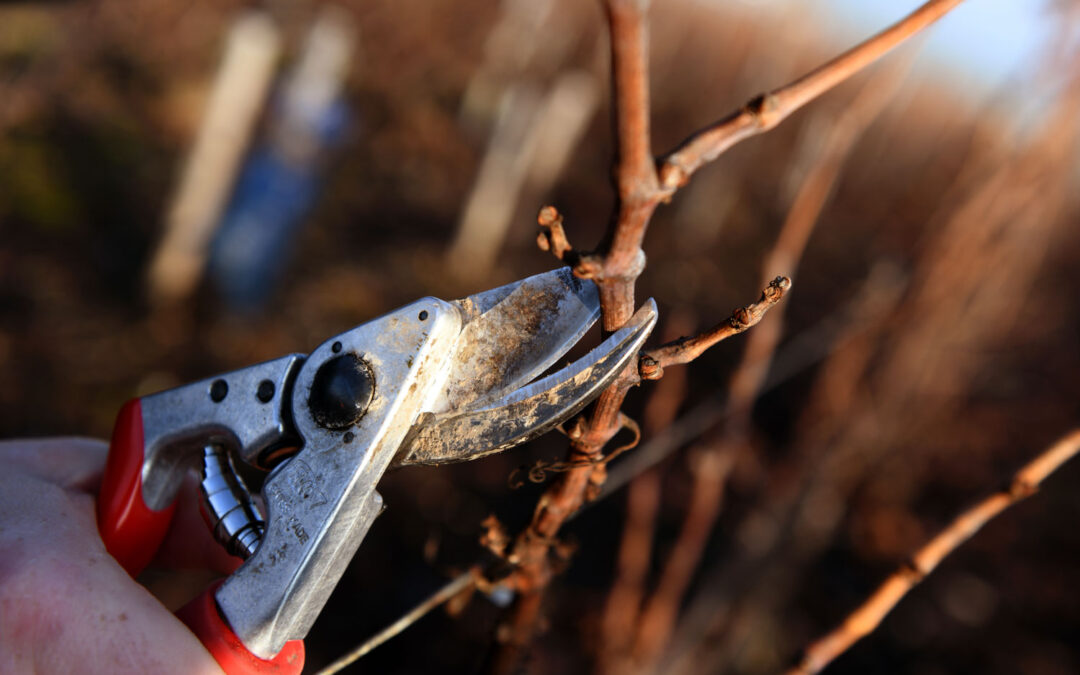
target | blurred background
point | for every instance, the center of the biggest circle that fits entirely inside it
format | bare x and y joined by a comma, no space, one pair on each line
191,187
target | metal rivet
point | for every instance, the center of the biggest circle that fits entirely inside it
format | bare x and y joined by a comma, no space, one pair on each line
336,347
423,315
341,392
218,390
349,436
265,391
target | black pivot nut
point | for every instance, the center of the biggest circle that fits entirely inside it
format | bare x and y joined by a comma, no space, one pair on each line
341,392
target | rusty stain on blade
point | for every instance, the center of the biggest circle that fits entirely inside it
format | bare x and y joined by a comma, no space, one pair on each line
514,333
489,427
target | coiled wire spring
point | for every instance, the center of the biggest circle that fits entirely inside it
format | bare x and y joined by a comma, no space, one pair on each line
229,510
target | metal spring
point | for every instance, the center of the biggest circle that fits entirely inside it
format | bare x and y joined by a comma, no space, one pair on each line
230,513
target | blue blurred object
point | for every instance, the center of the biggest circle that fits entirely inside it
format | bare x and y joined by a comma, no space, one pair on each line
271,200
282,176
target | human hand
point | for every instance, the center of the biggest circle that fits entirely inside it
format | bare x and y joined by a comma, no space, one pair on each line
65,604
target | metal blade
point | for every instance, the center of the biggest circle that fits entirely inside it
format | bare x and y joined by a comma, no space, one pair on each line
530,411
513,333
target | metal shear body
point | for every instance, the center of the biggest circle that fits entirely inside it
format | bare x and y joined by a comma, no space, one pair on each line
430,383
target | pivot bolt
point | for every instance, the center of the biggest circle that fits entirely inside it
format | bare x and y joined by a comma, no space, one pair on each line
341,392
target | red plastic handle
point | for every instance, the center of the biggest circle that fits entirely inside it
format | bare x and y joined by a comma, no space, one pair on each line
131,530
201,615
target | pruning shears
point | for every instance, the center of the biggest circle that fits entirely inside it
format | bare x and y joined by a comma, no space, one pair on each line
430,383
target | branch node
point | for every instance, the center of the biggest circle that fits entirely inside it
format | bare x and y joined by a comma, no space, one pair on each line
764,108
740,318
649,368
672,176
636,267
1022,489
589,266
911,571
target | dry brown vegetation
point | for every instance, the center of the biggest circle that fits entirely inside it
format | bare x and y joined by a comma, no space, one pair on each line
926,349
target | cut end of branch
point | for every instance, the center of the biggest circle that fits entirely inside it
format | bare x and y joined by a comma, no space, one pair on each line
552,237
772,294
649,368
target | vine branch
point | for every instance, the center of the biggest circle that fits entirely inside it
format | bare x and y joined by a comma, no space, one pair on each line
765,111
457,585
686,349
619,260
869,615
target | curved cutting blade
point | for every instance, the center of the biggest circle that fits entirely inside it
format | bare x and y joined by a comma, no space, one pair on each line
494,425
512,334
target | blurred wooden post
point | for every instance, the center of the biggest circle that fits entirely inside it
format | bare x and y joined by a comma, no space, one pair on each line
533,128
510,47
532,141
239,91
568,109
490,205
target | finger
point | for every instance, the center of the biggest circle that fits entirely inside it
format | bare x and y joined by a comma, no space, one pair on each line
69,607
77,464
71,462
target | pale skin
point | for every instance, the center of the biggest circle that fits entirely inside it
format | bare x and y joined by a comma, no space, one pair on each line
65,604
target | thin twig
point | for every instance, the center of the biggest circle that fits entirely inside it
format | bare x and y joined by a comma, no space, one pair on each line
538,472
685,350
870,614
767,110
444,594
